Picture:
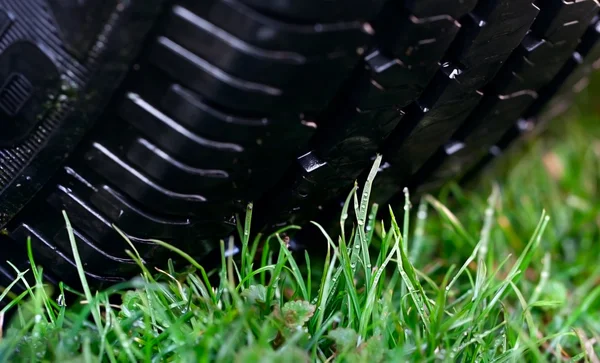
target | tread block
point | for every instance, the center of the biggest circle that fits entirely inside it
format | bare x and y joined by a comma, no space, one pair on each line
167,170
186,233
208,40
356,136
431,8
569,80
318,10
89,220
342,152
532,65
349,143
591,36
388,72
194,113
96,260
146,191
307,182
475,56
146,225
287,133
489,36
494,116
388,84
176,175
417,43
176,139
205,166
289,71
370,95
443,107
480,52
265,32
73,195
537,61
210,81
573,67
136,221
564,21
574,75
521,128
47,254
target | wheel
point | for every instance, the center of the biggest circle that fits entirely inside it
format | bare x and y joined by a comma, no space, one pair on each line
165,118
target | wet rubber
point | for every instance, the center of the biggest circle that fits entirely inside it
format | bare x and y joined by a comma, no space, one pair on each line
165,118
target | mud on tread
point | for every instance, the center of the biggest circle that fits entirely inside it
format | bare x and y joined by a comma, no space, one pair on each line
281,103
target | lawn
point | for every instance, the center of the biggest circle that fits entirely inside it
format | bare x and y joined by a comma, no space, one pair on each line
507,269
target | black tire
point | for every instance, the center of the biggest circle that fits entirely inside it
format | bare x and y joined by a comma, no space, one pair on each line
166,117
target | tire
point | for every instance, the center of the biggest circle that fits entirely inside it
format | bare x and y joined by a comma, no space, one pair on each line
165,118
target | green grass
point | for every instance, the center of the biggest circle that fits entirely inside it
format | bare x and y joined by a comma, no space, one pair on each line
514,275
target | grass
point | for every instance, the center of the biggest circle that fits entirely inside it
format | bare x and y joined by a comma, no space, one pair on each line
512,276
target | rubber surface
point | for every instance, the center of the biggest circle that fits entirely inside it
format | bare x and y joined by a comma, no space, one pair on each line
165,118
